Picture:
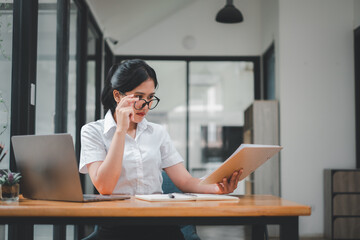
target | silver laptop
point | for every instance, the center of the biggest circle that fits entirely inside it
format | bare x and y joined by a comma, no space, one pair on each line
49,169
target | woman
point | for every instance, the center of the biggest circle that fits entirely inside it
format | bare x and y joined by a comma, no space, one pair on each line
124,153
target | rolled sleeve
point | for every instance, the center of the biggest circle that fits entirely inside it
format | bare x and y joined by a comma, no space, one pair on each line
169,155
92,147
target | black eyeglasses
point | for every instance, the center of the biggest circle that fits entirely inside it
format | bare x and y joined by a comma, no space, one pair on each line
141,103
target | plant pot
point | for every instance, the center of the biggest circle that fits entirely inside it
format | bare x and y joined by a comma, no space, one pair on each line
10,193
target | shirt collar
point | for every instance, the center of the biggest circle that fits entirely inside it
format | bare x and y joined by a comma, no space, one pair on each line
110,123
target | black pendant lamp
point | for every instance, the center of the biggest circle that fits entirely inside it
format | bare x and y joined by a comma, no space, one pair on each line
229,14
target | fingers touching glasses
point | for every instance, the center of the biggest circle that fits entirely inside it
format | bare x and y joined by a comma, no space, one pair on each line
141,103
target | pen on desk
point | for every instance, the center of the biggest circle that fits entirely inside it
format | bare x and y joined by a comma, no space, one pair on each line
172,195
3,156
1,148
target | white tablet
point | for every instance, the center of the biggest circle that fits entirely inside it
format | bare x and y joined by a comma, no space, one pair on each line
247,157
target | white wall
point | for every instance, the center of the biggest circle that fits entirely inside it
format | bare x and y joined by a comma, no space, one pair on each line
211,38
269,23
316,99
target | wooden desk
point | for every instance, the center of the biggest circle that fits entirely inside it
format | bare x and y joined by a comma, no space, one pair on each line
255,210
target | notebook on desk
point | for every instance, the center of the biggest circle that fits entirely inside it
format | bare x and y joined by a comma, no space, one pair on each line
49,169
179,197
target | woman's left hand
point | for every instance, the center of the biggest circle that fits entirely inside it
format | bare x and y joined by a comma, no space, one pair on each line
228,186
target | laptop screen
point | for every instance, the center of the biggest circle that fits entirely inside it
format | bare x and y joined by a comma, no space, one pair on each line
48,166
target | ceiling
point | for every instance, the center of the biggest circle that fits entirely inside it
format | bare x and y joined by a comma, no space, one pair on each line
125,19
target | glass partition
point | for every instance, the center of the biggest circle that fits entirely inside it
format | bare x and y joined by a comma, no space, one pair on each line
219,94
6,20
171,110
90,92
91,74
46,70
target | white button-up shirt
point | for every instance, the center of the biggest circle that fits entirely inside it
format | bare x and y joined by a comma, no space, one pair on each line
144,157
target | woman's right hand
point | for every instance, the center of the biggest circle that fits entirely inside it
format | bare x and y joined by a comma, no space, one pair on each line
125,112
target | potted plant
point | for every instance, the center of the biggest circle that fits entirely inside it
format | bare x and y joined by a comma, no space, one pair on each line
10,185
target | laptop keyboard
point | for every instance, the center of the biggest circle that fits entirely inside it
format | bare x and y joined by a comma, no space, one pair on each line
98,197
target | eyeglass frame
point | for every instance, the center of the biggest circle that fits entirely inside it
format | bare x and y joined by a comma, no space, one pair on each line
146,102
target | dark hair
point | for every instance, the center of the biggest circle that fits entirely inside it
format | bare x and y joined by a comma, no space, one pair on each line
124,77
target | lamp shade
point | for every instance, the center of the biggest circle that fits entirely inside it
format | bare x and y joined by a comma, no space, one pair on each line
229,14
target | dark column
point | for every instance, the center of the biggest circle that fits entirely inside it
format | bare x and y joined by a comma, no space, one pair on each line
24,56
62,65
